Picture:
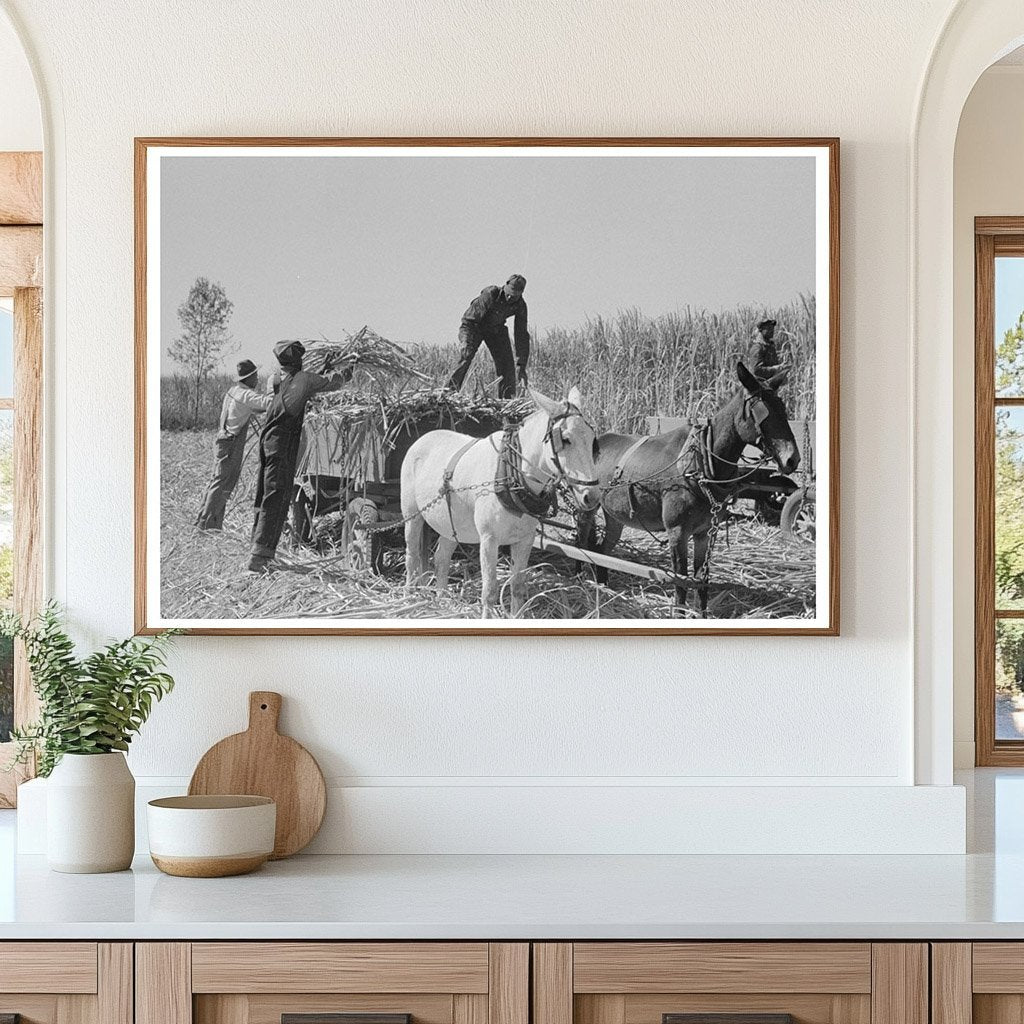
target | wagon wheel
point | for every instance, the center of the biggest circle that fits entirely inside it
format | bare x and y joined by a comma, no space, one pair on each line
798,516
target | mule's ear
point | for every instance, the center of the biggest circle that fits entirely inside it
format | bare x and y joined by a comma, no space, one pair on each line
778,380
575,398
747,379
545,404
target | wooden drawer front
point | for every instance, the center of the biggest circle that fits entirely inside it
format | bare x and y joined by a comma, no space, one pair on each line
56,967
726,967
268,1009
103,994
998,967
311,967
648,1009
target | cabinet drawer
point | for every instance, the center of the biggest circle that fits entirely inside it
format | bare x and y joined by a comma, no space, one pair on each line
635,967
730,983
332,983
66,982
68,967
340,967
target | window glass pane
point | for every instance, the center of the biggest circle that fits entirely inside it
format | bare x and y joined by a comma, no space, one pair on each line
1009,323
1009,533
6,567
6,353
1009,679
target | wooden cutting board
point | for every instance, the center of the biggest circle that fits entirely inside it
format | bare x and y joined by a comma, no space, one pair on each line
262,762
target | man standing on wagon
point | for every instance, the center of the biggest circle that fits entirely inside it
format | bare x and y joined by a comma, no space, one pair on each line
241,402
484,321
292,387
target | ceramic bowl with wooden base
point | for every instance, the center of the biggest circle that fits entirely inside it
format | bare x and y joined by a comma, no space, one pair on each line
211,836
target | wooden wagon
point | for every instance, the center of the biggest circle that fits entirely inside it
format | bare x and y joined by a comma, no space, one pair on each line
364,484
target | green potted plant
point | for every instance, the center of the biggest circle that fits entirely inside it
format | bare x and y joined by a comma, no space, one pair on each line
90,708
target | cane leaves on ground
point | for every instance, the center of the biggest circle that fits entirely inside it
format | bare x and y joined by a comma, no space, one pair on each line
756,574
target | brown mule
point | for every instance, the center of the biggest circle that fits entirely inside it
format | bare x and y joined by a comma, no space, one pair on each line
662,483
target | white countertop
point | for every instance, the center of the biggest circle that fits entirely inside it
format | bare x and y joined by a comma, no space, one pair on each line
516,897
977,896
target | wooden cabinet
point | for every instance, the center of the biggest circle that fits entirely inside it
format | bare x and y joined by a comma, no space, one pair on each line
66,982
753,982
307,982
512,983
978,983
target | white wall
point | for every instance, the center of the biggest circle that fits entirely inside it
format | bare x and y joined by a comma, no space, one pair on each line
21,127
443,714
987,181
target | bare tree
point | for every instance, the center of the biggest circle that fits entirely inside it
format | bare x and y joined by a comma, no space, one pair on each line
204,339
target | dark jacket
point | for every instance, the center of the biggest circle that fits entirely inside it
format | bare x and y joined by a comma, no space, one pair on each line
489,311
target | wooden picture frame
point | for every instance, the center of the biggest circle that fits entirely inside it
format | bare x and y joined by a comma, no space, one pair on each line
152,154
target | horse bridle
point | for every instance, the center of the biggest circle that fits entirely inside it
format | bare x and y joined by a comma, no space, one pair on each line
556,439
757,408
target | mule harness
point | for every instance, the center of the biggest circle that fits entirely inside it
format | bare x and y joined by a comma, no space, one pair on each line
700,444
510,480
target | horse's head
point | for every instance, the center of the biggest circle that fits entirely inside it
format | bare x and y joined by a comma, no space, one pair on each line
762,419
570,446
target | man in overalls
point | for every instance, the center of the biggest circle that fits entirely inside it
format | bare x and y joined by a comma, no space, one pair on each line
241,402
485,321
279,448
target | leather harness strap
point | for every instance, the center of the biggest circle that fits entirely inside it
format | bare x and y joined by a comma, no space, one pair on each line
620,468
510,487
446,480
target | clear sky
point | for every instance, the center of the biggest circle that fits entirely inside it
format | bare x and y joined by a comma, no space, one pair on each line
1009,293
308,246
6,354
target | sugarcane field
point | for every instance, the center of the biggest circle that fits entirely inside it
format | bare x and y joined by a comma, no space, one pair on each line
330,565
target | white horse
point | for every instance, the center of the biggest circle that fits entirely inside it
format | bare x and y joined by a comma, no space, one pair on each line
558,447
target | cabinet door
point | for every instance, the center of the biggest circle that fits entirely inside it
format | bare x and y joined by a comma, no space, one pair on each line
65,983
980,982
730,983
332,983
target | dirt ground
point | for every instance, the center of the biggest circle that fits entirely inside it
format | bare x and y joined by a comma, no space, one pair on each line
755,574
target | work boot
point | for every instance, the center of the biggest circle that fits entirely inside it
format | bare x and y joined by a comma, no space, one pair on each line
259,564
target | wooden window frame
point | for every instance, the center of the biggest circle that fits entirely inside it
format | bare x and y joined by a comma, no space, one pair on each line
21,278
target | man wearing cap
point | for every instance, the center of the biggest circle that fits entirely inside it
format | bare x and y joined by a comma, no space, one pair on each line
484,321
241,402
763,356
279,448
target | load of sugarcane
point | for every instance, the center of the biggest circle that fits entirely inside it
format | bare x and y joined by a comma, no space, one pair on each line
365,351
351,433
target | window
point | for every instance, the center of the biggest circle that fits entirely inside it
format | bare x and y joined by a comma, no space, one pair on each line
999,490
21,371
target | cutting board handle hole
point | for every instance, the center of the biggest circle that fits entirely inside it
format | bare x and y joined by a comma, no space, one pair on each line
263,707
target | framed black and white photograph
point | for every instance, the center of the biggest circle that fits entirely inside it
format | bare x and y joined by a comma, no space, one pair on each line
567,386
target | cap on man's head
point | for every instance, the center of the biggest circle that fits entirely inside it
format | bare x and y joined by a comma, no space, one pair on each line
289,353
766,326
245,369
516,282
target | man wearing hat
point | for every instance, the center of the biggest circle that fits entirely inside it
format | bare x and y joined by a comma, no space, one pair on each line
279,448
763,356
241,402
485,321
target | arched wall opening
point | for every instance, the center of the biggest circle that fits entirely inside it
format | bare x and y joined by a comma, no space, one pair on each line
976,34
989,153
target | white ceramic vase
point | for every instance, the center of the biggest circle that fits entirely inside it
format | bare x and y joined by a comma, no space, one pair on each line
90,814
